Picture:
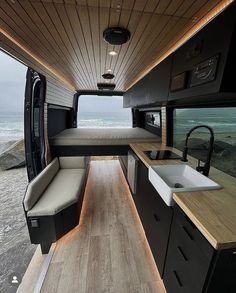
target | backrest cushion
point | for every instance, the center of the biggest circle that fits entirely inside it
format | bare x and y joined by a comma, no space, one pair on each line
37,186
72,162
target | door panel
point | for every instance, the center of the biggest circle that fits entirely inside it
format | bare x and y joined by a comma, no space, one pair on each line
34,123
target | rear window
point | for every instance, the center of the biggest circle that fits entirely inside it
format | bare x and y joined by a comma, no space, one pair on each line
103,112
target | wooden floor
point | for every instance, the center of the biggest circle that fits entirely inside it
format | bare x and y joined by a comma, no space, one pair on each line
108,251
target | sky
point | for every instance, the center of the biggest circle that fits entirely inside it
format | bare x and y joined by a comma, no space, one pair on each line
101,104
12,84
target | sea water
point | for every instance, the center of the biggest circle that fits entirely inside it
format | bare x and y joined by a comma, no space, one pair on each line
221,120
105,119
11,125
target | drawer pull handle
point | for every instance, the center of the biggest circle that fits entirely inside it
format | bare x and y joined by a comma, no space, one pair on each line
182,253
156,217
178,279
187,232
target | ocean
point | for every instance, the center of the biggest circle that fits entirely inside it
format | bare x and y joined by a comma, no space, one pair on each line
104,119
222,121
11,125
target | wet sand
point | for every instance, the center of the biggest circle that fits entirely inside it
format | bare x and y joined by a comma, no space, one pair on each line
16,250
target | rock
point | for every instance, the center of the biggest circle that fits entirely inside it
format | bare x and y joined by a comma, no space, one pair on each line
5,145
194,143
220,146
13,156
229,151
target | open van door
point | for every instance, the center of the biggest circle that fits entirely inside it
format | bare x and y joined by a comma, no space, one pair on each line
35,91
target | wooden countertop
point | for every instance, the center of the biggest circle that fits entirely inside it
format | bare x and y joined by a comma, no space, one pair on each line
213,212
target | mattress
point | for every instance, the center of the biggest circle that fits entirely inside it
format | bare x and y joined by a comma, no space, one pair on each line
102,136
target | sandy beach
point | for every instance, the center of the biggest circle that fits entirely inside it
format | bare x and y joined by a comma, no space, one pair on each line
16,250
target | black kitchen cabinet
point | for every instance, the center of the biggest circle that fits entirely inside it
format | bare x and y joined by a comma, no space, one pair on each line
202,68
155,215
193,265
152,89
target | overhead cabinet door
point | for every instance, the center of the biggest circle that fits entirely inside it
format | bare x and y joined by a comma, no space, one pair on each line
203,67
152,89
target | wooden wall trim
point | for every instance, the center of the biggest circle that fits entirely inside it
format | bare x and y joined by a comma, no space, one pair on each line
163,125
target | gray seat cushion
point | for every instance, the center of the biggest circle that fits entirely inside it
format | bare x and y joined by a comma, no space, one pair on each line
72,162
62,192
37,186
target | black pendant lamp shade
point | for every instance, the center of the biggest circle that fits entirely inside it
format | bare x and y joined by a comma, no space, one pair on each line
108,76
106,86
116,35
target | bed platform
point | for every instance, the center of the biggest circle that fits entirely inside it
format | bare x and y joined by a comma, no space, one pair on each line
98,141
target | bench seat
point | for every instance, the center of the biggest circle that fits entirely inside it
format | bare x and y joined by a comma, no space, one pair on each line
53,200
62,192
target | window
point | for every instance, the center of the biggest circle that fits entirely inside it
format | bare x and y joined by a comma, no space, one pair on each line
103,112
223,122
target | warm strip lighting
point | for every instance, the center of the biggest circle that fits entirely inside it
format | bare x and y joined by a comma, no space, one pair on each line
141,232
32,55
198,26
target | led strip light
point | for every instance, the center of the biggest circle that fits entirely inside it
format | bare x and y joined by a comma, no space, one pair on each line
199,25
37,59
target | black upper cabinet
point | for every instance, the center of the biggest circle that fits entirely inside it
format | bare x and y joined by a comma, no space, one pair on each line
199,72
152,89
204,66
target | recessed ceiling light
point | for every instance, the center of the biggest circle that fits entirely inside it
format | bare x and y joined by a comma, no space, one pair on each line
109,70
112,53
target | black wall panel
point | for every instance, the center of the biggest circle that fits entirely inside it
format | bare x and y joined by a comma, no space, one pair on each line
57,121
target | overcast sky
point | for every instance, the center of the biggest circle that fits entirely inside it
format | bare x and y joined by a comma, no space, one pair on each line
101,104
12,84
12,88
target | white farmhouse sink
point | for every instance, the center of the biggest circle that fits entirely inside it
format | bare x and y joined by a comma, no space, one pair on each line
168,179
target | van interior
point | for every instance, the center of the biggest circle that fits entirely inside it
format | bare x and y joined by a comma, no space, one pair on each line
145,208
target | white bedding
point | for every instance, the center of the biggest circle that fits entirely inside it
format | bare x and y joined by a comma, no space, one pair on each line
103,136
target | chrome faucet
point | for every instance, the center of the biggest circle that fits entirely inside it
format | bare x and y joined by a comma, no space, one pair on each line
206,168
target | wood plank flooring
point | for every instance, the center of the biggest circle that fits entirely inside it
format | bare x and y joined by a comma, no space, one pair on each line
108,251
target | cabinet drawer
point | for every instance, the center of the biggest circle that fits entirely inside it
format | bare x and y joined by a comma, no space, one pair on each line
172,281
157,228
177,275
190,250
192,233
186,259
155,216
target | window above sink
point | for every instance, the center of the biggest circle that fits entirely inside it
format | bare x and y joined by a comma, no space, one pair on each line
223,122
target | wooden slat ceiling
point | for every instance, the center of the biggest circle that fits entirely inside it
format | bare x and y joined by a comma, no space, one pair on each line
67,35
